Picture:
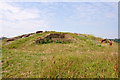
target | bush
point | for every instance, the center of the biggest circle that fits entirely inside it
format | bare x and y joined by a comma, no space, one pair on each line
60,41
45,41
56,41
49,41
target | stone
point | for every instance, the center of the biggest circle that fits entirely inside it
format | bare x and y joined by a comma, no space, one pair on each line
39,32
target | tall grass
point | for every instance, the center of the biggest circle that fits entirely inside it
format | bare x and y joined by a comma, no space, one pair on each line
82,59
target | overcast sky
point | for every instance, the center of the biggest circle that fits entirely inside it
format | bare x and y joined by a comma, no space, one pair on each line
97,18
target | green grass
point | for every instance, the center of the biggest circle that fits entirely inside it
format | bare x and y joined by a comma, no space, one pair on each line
82,59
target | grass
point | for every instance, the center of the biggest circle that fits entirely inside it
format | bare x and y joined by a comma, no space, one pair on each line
0,59
84,59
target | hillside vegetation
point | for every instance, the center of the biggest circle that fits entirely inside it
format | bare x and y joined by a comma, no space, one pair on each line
116,40
83,57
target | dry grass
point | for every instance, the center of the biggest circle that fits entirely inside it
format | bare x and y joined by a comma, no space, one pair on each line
85,59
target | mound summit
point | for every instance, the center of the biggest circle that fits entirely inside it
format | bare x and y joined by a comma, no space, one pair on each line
52,36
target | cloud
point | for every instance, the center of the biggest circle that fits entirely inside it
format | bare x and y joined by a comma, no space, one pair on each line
15,20
88,12
18,18
22,27
15,13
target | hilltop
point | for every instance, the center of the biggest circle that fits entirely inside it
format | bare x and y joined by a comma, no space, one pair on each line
53,54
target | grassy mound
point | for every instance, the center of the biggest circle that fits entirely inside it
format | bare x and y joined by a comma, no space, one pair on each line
83,57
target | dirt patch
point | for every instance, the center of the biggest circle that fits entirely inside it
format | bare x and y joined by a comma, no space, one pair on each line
55,37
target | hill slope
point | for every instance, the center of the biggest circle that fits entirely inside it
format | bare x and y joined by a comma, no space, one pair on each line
83,57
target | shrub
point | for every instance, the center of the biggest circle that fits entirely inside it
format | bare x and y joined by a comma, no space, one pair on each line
56,41
49,41
60,41
45,41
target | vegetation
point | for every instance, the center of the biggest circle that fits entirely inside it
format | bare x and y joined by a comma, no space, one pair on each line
2,38
0,59
115,40
86,58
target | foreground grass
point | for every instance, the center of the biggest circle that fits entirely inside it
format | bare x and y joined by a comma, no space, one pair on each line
84,59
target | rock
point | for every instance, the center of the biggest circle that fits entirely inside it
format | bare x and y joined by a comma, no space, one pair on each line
27,35
110,42
106,41
39,32
10,39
